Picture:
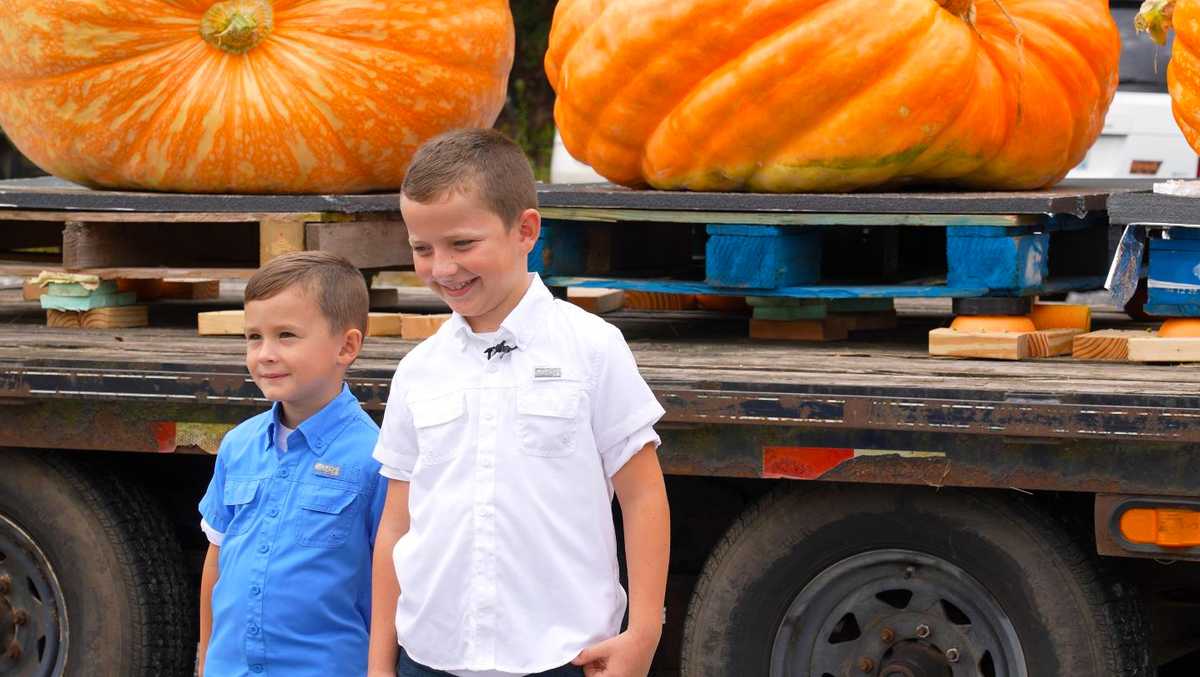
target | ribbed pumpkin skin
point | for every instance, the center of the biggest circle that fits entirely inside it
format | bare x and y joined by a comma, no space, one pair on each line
830,95
1183,71
336,98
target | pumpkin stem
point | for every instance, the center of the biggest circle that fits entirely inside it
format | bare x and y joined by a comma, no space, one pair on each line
236,26
1155,17
963,9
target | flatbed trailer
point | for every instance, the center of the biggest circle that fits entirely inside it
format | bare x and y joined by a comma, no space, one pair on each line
838,509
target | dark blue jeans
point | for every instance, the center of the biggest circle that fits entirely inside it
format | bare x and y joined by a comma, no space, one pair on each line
407,667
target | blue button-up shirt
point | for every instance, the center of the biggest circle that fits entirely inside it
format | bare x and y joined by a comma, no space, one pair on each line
293,597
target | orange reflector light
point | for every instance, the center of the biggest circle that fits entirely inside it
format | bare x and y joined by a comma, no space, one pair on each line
1167,527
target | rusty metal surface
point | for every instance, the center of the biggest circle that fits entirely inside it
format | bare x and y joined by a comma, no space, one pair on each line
1119,445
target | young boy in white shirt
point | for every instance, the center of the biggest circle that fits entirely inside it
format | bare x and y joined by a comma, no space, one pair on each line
504,438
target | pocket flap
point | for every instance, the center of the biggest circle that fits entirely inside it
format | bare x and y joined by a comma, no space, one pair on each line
240,492
437,410
560,401
332,500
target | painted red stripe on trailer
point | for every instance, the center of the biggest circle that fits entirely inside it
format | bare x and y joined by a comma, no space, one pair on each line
802,463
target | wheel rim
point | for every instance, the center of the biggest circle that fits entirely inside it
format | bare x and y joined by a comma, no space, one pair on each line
33,616
896,613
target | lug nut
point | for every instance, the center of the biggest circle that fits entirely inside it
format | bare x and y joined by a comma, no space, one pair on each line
888,635
952,655
866,664
923,631
19,616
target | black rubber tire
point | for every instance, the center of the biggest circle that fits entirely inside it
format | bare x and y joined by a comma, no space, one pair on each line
130,606
1070,616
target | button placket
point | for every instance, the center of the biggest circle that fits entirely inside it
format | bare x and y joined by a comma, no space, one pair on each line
276,490
482,593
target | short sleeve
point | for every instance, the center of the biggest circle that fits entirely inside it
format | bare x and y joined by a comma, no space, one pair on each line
215,537
622,403
396,449
616,457
213,510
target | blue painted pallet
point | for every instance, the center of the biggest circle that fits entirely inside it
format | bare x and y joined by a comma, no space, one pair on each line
786,260
1173,279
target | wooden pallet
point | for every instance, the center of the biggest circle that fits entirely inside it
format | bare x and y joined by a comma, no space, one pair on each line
826,256
146,245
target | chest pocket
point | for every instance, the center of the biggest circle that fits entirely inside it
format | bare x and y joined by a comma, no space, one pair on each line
548,417
327,512
239,497
439,424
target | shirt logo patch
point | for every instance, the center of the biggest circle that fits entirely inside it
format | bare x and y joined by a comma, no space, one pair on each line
327,470
547,372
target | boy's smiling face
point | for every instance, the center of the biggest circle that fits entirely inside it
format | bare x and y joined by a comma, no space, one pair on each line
292,354
464,252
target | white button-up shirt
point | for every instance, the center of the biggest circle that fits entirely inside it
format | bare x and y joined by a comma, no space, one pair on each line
510,560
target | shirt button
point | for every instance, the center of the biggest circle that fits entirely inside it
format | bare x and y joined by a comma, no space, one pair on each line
487,416
486,462
320,443
283,472
264,547
254,590
253,629
274,512
256,668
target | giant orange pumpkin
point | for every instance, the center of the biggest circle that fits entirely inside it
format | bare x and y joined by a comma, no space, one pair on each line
832,95
1183,71
246,95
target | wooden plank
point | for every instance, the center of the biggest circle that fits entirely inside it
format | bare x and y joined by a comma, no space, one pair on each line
366,244
415,326
120,317
788,218
946,342
1106,344
221,323
18,269
139,218
1161,349
385,324
154,289
596,299
828,329
279,234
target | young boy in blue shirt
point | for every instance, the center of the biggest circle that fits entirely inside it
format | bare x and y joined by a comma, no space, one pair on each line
504,439
295,498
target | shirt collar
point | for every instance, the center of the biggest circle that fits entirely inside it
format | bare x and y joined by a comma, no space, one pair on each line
522,323
320,429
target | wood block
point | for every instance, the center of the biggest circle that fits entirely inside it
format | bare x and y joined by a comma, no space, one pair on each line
1106,344
1051,342
101,318
32,292
595,299
1160,349
366,244
994,345
221,323
1001,345
115,244
385,324
279,235
828,329
414,326
652,300
722,303
1061,316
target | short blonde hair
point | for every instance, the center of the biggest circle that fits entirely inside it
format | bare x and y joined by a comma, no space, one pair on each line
338,287
482,162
